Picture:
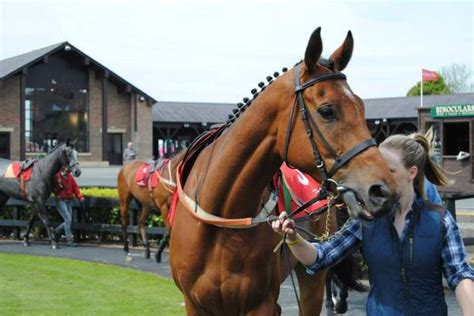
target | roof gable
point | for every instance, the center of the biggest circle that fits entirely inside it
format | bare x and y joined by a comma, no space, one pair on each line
13,65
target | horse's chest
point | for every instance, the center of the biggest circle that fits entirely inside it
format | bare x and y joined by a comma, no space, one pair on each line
236,290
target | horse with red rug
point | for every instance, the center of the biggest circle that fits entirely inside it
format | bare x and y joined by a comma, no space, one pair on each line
151,185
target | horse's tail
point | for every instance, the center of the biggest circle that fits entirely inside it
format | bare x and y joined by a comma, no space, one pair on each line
349,272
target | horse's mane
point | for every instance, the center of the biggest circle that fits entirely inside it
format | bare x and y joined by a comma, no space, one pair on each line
242,106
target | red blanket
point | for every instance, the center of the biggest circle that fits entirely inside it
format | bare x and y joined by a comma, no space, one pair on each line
302,188
141,177
13,171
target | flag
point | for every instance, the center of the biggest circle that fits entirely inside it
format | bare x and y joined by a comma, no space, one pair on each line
429,75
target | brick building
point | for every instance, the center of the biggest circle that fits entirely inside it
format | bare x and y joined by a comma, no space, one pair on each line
57,93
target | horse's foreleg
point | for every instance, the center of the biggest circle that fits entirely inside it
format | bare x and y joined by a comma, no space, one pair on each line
44,218
26,237
329,302
341,304
124,201
141,227
161,246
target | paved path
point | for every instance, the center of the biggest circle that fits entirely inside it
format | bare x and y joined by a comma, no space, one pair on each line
115,255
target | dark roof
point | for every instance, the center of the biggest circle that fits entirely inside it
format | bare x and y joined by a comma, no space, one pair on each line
381,108
13,65
191,112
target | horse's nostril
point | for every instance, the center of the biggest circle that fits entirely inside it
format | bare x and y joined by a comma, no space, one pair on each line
379,192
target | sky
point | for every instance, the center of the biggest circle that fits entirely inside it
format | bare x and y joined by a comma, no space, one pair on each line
217,51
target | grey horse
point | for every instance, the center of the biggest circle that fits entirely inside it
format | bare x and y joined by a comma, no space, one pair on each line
38,189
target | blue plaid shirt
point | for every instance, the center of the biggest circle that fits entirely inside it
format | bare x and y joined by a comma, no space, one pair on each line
349,238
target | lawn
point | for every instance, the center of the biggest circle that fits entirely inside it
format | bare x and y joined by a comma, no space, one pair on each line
31,285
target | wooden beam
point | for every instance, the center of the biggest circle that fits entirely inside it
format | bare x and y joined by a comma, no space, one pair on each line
135,114
161,132
105,102
22,113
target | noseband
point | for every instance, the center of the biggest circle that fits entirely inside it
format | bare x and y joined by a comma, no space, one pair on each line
310,125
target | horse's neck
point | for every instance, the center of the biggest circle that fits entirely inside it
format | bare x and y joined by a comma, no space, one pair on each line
50,164
231,183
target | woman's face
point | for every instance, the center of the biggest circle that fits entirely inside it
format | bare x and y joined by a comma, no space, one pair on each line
403,176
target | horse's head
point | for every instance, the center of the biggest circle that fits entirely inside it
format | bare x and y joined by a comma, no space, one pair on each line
324,133
69,158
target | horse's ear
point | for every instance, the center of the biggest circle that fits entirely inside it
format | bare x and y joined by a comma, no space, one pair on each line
343,54
313,50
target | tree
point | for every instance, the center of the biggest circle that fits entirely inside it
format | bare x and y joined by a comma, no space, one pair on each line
430,87
458,78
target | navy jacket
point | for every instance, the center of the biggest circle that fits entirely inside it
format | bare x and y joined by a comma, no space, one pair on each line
406,274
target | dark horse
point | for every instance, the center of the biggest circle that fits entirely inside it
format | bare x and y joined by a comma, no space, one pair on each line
38,189
221,257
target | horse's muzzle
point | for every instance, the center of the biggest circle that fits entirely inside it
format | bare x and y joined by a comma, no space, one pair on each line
76,172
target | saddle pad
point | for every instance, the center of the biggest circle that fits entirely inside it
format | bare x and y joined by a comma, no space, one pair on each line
13,171
302,188
141,178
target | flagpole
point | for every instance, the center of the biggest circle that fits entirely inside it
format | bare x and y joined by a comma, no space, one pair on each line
421,94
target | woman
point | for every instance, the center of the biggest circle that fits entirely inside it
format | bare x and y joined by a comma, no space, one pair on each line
66,188
407,250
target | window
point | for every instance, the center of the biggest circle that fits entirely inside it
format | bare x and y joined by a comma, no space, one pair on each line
53,116
456,138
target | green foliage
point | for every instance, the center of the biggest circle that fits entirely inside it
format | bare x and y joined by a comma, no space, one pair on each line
100,192
32,285
430,88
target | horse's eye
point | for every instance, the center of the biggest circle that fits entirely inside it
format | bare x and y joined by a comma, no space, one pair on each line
327,112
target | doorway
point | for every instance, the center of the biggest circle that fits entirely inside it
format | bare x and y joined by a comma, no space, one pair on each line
5,145
114,148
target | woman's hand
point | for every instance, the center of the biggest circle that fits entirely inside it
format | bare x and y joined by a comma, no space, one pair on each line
285,225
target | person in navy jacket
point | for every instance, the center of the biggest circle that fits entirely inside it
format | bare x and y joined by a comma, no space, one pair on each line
65,190
408,250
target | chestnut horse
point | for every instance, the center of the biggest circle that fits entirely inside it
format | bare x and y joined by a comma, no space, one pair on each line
224,269
158,197
311,287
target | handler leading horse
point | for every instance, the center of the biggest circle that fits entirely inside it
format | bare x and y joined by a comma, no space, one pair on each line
38,189
228,271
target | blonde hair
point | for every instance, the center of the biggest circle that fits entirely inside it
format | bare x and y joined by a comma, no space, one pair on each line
415,149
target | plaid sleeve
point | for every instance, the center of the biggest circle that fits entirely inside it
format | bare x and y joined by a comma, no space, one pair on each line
330,252
455,266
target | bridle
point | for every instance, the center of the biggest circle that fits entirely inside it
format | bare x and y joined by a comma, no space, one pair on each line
329,187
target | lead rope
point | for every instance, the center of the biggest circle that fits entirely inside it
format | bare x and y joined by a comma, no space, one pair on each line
291,273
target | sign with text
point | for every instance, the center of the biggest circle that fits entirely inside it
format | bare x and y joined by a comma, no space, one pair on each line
460,110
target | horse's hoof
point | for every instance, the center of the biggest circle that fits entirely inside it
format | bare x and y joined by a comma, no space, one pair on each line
158,258
147,254
54,246
341,307
26,243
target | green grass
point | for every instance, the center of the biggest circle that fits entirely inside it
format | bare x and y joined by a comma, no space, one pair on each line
31,285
